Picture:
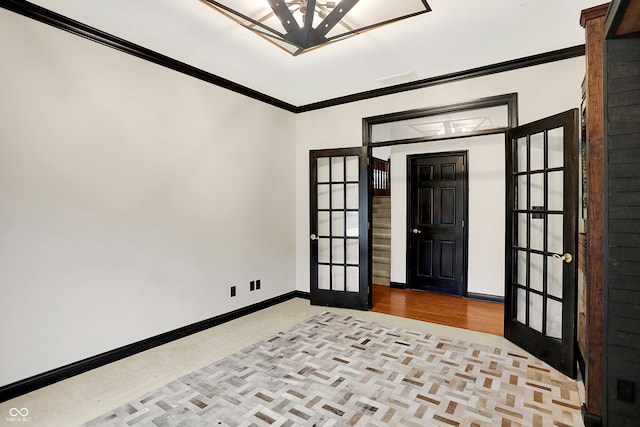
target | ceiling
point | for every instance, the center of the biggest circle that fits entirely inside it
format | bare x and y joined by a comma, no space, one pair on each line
456,35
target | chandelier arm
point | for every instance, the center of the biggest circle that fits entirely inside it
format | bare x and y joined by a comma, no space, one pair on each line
308,16
307,28
334,17
284,14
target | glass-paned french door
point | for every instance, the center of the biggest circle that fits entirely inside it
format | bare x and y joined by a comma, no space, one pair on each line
541,238
339,232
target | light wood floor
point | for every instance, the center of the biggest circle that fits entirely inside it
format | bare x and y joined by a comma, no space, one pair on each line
481,316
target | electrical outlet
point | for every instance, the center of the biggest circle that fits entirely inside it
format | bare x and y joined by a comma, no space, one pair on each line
258,284
252,285
625,390
233,291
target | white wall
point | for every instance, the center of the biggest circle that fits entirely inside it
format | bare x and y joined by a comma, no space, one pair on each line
131,198
486,209
542,90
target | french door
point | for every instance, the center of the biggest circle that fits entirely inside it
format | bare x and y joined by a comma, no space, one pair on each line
542,237
339,228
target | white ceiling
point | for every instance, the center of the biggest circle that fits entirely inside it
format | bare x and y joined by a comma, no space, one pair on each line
456,35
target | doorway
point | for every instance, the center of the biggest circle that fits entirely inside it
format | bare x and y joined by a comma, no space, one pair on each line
437,212
537,317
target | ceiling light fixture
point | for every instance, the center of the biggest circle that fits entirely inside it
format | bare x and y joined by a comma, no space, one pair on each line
298,26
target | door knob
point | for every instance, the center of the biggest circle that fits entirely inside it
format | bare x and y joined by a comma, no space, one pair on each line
415,231
568,258
313,237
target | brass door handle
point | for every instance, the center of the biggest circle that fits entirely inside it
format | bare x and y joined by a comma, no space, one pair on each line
415,231
568,258
313,237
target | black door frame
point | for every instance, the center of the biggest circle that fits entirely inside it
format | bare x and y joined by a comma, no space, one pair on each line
509,99
410,264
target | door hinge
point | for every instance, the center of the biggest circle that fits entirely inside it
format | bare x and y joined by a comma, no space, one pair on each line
368,225
463,223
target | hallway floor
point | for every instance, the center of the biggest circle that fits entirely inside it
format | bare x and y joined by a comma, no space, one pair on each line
466,313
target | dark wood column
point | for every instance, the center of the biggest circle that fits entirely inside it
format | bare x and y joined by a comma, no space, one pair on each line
593,20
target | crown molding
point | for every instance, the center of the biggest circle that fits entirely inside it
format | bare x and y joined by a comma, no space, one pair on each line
56,20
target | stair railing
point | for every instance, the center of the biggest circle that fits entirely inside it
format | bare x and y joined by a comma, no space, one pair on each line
381,177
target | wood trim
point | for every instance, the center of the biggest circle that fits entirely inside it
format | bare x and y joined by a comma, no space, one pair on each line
630,20
500,67
595,213
593,12
48,17
485,297
50,377
623,18
619,19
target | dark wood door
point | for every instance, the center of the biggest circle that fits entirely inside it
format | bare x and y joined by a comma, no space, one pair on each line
542,237
436,254
339,232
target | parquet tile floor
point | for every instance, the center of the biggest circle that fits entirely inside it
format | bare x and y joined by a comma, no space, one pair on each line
337,370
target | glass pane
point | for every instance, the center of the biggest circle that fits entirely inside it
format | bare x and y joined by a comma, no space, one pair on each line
554,319
337,274
537,151
324,273
353,163
353,279
323,169
555,233
521,155
323,196
521,304
323,250
556,147
521,230
337,196
337,169
353,251
555,268
536,237
535,311
445,124
352,196
337,251
535,271
521,192
521,268
555,182
537,191
337,223
323,223
352,224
